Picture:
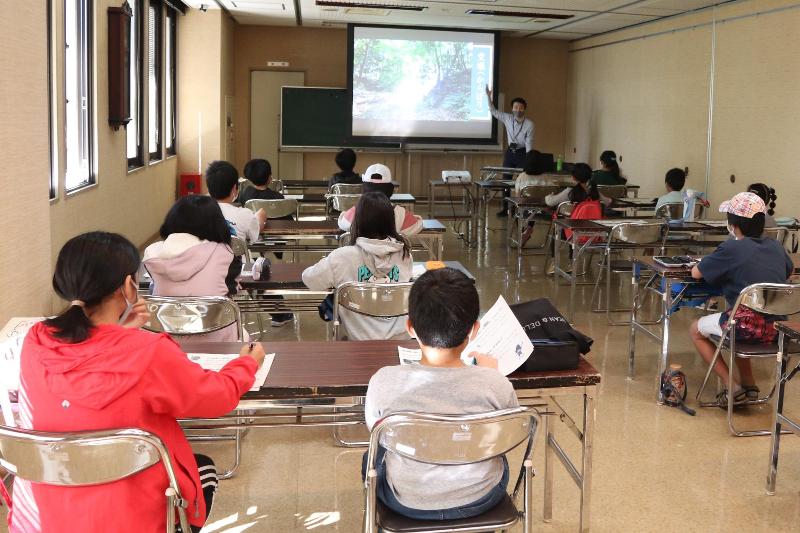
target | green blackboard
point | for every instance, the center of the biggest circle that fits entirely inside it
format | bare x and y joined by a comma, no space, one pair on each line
318,117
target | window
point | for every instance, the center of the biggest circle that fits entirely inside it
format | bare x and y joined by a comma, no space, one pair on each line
135,128
155,29
78,94
169,87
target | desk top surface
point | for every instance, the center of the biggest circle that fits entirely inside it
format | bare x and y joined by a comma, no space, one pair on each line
606,224
789,328
330,227
685,271
313,183
343,368
320,198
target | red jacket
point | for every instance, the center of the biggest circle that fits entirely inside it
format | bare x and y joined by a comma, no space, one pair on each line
117,378
586,210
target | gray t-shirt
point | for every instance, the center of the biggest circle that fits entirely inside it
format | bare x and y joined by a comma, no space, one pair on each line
437,390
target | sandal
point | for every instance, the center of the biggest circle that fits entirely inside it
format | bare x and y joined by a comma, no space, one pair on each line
751,392
740,400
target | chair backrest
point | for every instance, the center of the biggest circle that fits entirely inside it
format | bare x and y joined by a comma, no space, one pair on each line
670,211
80,459
244,183
538,192
342,202
383,300
455,440
613,191
564,209
770,298
238,246
637,233
346,188
191,315
778,233
273,208
276,184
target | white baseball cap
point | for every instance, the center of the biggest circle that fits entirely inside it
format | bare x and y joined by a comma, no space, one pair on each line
377,173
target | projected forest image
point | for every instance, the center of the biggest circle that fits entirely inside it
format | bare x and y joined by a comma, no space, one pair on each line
413,80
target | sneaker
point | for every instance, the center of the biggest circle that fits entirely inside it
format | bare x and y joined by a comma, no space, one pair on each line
740,400
281,319
551,270
751,392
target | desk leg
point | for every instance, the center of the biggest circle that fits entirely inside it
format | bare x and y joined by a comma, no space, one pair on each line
637,272
547,511
431,188
666,298
586,471
556,253
573,276
780,371
439,247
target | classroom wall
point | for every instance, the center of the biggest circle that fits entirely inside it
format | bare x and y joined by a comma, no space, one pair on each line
648,98
25,217
130,203
533,68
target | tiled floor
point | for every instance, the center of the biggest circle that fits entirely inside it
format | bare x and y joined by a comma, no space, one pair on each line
655,468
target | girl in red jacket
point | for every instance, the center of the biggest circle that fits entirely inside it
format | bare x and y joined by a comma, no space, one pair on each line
91,368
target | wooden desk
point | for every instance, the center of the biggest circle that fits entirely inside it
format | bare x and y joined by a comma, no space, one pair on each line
429,240
324,384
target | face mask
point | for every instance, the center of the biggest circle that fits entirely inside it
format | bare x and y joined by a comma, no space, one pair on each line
128,309
519,114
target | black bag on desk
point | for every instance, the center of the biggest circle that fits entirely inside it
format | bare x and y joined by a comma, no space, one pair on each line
556,345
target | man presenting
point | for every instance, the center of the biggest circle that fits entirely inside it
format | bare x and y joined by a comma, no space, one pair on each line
519,132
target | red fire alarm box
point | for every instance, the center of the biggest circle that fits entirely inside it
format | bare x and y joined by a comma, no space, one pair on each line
190,184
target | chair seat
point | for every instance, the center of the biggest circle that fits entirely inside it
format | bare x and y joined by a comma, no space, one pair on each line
753,349
502,516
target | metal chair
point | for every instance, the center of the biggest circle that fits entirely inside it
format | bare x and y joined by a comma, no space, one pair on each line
524,216
778,233
345,239
278,208
276,185
195,315
626,235
340,202
192,315
244,184
451,441
90,458
380,300
239,247
564,210
346,188
766,298
674,211
613,191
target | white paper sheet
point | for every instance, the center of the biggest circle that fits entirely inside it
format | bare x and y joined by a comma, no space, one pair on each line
409,356
417,270
502,337
215,362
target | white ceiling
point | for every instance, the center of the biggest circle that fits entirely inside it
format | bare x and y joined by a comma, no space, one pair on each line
589,17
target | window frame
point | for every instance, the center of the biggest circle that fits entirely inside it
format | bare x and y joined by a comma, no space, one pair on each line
87,41
137,31
172,95
51,109
158,45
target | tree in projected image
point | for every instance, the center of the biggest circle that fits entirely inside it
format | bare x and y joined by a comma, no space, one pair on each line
411,80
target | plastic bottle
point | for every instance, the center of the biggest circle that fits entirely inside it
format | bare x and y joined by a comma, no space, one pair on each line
559,163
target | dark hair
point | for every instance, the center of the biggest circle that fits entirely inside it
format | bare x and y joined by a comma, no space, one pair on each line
89,268
750,227
197,215
675,178
383,188
374,219
766,193
534,163
583,174
443,306
221,178
345,159
521,101
609,159
258,171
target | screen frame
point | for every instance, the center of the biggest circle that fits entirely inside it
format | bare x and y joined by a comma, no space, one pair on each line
422,140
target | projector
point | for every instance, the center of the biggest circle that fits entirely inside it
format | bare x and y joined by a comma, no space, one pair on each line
456,176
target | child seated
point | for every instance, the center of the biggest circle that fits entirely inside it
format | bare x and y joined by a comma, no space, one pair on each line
735,264
91,368
195,257
443,317
222,181
581,174
346,161
378,254
674,181
379,178
259,172
532,172
609,172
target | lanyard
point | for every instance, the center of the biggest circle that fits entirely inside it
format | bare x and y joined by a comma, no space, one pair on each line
515,134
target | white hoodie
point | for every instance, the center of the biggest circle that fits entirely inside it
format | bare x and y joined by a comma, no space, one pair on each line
368,260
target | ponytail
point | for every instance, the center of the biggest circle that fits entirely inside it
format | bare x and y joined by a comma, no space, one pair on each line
593,193
90,267
766,193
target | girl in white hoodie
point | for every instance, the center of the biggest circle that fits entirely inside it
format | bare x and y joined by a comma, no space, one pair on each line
195,257
378,254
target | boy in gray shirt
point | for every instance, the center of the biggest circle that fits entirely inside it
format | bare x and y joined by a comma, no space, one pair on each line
443,316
